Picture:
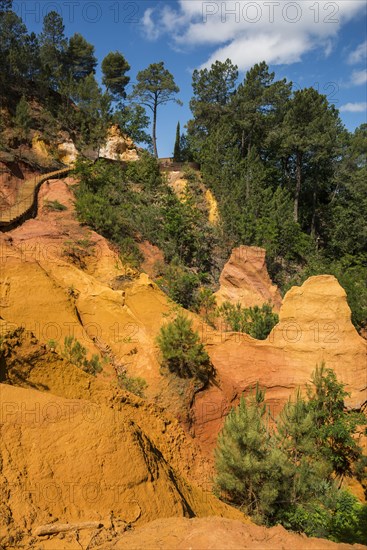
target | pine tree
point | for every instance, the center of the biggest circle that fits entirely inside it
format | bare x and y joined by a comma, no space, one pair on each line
213,89
177,148
94,112
155,86
182,351
13,33
132,120
23,118
307,467
248,464
333,427
288,476
309,139
114,67
53,48
81,61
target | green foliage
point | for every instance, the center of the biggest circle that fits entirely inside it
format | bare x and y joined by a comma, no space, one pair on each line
205,305
96,176
309,137
145,171
339,516
53,45
155,86
114,67
135,385
286,174
333,428
94,114
349,199
180,284
52,344
177,147
248,465
134,203
80,57
5,5
349,521
22,117
255,321
312,444
133,120
77,354
182,351
54,205
183,227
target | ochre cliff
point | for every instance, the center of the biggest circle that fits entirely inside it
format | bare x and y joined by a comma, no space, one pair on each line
76,449
57,279
245,280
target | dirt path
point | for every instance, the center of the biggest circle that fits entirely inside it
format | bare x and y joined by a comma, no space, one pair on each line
26,199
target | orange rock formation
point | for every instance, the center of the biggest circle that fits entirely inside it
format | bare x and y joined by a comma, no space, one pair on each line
245,280
314,327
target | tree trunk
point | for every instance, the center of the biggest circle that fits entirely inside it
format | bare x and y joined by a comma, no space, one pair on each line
298,185
243,144
313,220
248,171
154,130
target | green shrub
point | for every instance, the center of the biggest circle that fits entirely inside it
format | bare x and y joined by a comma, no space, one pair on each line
95,176
182,351
77,355
135,385
133,203
291,473
250,468
189,174
52,344
145,171
180,284
54,205
205,305
255,321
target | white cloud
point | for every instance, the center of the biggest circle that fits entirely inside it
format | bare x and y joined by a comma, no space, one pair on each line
359,77
151,30
358,55
354,107
279,32
247,50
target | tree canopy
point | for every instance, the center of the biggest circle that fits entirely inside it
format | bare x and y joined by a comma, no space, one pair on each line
114,67
155,86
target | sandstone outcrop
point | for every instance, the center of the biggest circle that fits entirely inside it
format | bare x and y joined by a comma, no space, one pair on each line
245,280
118,146
67,152
314,327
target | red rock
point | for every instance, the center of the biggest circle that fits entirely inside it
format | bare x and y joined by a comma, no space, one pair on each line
245,280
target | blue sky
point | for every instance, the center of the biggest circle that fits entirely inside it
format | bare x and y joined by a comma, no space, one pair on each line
313,43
